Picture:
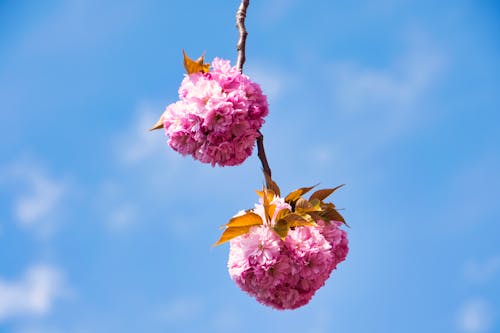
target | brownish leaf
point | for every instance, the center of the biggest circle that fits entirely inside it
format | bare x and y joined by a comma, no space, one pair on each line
323,194
266,199
248,219
332,215
282,213
271,184
304,206
158,125
270,211
195,66
232,232
295,220
295,195
281,227
315,216
269,194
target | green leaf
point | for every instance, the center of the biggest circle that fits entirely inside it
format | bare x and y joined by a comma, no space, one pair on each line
323,194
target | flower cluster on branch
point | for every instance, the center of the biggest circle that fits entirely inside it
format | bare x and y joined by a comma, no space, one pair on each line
218,116
285,248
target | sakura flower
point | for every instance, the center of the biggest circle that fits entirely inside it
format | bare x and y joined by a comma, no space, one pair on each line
218,116
285,273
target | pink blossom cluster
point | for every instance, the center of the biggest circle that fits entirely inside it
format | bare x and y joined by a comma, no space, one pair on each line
218,116
285,274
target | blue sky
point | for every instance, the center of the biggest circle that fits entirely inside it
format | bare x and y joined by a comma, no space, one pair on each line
104,229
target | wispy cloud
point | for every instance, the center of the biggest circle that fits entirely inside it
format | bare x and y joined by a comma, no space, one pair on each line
77,34
481,271
122,217
114,206
32,295
273,80
383,103
471,194
273,10
227,320
38,329
181,309
137,143
475,316
43,197
38,196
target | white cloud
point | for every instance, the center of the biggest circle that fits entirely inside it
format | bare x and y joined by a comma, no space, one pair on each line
361,90
383,104
471,194
38,197
66,27
272,11
122,217
273,80
34,294
480,271
43,197
37,328
475,316
227,320
137,143
181,309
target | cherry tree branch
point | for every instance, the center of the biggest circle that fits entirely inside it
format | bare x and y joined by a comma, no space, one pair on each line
241,14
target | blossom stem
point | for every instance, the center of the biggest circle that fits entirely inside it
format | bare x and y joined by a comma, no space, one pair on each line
241,14
262,156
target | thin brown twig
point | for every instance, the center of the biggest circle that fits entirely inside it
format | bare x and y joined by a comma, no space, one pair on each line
241,14
262,156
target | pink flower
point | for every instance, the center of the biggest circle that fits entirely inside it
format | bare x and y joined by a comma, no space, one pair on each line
285,274
218,116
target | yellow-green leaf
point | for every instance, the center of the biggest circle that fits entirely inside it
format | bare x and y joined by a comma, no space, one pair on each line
232,232
323,194
304,206
303,203
295,220
282,213
281,227
247,219
195,66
